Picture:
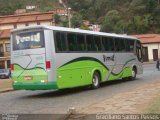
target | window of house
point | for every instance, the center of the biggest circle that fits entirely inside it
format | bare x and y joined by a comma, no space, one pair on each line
2,65
8,63
7,47
27,24
15,26
1,48
38,23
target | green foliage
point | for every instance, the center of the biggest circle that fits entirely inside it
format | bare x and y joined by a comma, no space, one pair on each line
57,18
76,20
118,16
65,23
8,7
111,19
150,5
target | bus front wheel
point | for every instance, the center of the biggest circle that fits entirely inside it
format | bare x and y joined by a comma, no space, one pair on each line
95,80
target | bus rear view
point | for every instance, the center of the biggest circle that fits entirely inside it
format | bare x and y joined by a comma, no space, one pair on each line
29,63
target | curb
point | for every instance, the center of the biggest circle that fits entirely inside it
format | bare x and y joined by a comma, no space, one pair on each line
6,90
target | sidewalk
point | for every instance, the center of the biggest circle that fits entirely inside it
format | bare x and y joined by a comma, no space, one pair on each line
5,85
132,102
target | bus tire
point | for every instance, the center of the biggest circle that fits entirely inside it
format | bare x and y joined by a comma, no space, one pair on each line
134,73
95,80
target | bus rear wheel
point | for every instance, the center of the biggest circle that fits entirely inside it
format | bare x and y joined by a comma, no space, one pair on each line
95,80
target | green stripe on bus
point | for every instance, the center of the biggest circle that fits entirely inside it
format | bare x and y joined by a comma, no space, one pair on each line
79,73
35,86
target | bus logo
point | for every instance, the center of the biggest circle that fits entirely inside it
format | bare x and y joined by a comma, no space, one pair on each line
110,58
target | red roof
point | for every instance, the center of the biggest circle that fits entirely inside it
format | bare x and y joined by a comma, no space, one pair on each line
5,33
148,38
27,17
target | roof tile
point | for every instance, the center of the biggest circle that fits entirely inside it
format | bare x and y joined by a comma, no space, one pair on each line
148,38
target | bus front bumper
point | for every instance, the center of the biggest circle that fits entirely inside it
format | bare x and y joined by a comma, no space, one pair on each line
35,86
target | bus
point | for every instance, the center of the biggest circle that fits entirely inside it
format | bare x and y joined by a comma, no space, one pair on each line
50,57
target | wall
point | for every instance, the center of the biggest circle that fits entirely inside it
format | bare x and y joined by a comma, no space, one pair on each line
6,26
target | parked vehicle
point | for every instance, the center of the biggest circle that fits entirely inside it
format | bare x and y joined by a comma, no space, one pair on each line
5,73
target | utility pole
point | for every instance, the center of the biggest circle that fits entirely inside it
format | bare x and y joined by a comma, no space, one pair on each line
69,17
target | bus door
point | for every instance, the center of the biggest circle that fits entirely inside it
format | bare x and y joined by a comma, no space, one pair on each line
28,57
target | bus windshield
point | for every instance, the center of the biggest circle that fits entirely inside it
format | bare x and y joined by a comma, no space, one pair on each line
28,40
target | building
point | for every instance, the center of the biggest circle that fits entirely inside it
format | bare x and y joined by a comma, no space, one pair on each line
26,19
10,22
151,45
5,48
93,27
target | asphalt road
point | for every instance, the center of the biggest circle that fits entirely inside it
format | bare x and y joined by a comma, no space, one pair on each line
49,102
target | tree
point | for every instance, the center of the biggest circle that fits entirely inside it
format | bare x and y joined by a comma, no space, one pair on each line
139,24
150,5
111,20
57,18
76,20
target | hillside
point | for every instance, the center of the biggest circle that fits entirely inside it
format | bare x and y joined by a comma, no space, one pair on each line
119,16
8,7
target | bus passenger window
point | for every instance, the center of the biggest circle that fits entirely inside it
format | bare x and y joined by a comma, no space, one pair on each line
119,45
127,45
90,43
97,43
116,48
81,42
131,45
72,41
60,40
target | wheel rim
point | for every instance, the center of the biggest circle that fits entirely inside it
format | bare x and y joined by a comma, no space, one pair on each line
95,80
133,73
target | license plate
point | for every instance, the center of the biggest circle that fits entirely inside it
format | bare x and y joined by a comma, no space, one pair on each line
28,77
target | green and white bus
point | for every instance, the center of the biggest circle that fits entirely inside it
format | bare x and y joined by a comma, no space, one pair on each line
48,57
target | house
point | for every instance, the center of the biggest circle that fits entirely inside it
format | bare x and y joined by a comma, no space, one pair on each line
9,22
151,45
26,19
5,48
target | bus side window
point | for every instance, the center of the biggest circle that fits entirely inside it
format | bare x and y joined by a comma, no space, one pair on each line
72,41
104,44
131,45
81,42
127,45
123,45
90,43
117,45
60,40
97,43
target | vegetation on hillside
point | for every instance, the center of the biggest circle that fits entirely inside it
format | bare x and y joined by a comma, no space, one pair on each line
7,7
121,16
118,16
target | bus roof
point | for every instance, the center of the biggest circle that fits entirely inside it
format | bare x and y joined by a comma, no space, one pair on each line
74,30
